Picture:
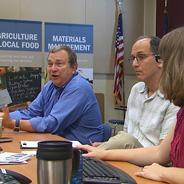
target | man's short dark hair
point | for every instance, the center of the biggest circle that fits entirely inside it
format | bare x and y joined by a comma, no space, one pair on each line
154,43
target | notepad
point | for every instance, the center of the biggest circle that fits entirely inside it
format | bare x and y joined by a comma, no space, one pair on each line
14,158
34,144
75,143
28,144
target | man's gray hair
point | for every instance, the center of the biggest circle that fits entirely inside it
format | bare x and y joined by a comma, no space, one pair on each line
72,56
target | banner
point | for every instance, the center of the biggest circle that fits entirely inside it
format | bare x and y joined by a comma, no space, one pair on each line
78,37
17,35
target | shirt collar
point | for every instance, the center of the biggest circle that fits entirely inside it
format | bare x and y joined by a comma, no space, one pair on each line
64,85
160,94
144,89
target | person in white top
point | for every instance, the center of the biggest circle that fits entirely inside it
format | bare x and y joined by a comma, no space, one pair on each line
149,115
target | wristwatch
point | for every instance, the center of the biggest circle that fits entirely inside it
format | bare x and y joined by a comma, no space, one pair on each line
17,125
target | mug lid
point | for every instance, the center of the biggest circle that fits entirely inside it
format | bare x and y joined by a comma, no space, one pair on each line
54,150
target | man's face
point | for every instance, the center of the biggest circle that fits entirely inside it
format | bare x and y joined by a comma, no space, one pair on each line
58,68
144,64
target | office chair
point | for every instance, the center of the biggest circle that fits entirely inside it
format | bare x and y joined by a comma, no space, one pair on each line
114,123
117,124
100,100
107,131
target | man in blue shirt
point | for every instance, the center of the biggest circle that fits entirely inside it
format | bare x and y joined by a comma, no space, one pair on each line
66,105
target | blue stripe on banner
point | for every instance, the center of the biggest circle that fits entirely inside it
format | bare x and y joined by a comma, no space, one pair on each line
20,35
78,37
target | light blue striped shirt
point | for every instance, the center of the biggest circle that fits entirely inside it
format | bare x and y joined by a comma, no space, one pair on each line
149,118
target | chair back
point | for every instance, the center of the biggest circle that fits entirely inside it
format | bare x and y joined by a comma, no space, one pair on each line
107,131
100,99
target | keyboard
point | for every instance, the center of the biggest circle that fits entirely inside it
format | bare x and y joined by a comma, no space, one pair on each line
98,172
8,179
11,177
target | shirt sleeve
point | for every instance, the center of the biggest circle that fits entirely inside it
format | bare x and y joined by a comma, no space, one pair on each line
34,109
129,102
68,109
125,126
169,120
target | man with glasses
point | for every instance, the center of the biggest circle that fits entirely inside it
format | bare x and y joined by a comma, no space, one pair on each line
149,115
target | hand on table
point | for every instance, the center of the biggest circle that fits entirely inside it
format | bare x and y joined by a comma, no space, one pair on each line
153,172
92,151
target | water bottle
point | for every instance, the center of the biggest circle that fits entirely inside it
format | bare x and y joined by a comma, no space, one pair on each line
77,165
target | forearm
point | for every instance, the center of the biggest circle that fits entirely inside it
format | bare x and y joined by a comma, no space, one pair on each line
173,175
139,156
144,156
25,125
9,122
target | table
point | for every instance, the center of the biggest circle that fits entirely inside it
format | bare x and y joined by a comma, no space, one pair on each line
30,169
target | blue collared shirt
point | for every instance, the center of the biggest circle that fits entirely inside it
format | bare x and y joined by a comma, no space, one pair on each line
70,111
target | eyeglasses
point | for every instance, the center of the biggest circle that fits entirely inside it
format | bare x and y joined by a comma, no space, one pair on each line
141,57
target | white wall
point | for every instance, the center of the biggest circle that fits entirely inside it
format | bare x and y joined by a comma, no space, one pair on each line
138,19
150,17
